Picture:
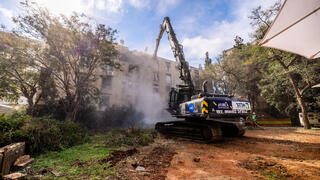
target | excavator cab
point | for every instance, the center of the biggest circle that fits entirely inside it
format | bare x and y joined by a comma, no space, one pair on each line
177,96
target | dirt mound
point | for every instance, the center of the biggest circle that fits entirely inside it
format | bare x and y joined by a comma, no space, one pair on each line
117,156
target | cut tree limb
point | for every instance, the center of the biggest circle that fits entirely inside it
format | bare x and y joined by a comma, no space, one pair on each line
10,155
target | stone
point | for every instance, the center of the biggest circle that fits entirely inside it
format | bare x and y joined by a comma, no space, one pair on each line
196,159
140,168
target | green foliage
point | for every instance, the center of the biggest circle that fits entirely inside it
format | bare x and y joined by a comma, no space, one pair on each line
255,72
77,162
18,71
40,134
67,50
119,137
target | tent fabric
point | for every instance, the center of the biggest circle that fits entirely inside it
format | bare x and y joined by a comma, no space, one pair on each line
296,28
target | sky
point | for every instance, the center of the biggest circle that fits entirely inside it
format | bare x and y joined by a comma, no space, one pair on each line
200,25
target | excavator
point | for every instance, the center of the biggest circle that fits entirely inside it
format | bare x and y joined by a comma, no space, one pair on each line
201,115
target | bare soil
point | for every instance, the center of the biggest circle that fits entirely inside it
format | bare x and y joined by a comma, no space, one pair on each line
260,154
277,153
153,159
117,156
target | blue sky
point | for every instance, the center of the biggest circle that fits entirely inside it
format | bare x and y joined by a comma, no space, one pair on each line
200,25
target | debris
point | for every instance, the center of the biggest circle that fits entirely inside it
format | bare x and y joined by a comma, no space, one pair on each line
15,176
9,155
55,173
140,168
196,159
22,162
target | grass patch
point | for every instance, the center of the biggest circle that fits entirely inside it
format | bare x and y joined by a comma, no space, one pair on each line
77,162
85,161
271,175
130,137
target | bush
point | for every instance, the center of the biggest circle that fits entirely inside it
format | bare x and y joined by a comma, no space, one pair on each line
40,134
111,117
140,137
54,110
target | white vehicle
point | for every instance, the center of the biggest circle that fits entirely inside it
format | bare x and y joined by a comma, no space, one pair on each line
313,117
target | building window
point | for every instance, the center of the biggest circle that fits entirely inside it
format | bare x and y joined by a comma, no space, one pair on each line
155,89
107,68
105,99
155,76
132,68
168,79
167,67
106,82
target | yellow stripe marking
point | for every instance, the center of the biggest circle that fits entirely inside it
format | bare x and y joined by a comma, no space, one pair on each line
205,110
215,103
204,103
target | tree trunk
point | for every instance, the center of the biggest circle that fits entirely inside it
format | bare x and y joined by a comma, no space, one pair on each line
69,116
30,108
300,102
72,115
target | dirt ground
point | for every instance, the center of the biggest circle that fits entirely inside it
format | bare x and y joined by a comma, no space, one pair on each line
260,154
275,153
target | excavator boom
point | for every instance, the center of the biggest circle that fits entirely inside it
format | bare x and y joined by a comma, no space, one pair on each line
206,116
177,50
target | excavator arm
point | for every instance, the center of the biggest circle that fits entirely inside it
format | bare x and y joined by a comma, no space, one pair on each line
177,50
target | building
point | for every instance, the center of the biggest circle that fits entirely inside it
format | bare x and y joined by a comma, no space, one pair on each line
140,81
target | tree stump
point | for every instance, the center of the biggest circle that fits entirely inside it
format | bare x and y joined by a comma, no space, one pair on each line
10,154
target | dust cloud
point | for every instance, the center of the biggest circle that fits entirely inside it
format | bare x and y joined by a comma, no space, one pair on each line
147,94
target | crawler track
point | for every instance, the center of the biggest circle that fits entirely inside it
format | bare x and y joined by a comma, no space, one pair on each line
203,130
208,132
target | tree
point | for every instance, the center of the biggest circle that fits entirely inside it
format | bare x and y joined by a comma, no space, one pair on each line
74,50
300,73
238,42
19,75
207,61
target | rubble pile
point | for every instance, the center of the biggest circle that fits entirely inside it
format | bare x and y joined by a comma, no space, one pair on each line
13,162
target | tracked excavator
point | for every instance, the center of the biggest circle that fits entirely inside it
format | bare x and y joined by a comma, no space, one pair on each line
201,115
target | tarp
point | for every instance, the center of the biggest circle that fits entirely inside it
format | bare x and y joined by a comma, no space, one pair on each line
296,28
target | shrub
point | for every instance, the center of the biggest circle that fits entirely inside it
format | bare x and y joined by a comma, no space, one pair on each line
111,117
40,134
54,110
120,137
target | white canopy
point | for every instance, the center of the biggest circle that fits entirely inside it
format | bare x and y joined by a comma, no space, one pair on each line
296,28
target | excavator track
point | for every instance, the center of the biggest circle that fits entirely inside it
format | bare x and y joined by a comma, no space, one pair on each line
208,132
